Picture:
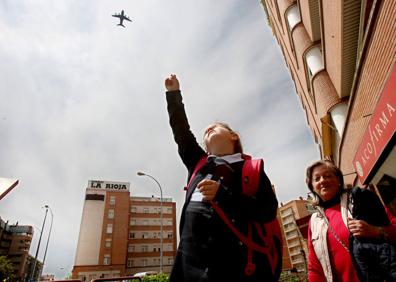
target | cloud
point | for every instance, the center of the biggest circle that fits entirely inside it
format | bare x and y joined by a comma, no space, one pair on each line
84,99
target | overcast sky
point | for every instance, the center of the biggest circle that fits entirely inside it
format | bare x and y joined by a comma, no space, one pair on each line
82,98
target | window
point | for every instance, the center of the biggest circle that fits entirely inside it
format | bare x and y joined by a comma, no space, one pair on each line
144,248
292,19
109,228
170,235
170,261
293,16
313,65
169,222
145,235
112,200
144,262
169,210
314,61
110,215
131,248
145,210
106,259
131,235
145,222
132,222
129,262
108,243
133,210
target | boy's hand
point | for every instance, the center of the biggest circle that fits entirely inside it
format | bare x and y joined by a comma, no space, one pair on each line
208,188
171,83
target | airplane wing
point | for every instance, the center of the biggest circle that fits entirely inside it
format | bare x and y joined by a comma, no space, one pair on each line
126,18
117,16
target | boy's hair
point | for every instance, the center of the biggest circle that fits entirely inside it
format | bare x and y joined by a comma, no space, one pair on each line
237,144
337,172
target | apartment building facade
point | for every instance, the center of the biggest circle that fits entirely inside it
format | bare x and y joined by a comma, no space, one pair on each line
120,235
296,248
15,241
341,57
144,235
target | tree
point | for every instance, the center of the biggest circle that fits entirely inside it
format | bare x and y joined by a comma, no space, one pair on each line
6,269
161,277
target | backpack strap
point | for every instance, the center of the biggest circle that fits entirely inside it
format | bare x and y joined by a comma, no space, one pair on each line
198,166
242,237
267,245
251,175
250,267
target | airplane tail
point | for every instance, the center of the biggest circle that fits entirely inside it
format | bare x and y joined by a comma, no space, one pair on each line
121,25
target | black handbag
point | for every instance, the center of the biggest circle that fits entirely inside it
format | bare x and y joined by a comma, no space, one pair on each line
374,259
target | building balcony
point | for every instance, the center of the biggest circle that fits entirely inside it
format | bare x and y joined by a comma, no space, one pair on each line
286,213
291,236
287,221
295,253
290,229
293,244
298,260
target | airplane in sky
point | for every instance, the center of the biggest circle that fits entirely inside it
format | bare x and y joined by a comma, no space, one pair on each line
122,17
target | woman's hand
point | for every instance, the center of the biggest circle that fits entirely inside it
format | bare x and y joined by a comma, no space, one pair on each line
361,229
171,83
208,188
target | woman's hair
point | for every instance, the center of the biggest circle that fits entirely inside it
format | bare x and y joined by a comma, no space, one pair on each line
309,174
237,144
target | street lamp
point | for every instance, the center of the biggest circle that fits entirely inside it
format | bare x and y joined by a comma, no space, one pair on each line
38,247
49,234
161,237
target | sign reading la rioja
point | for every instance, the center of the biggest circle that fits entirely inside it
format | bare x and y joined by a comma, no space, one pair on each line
108,185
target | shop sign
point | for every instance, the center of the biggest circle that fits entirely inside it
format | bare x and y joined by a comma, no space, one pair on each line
380,130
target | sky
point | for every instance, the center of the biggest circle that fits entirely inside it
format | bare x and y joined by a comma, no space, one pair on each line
84,99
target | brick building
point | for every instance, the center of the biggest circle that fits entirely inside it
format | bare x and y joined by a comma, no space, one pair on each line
15,241
341,57
120,235
294,243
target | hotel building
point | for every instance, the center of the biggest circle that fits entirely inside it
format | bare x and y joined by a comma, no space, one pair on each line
120,235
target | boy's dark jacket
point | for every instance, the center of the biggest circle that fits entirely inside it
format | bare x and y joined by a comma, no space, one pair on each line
208,250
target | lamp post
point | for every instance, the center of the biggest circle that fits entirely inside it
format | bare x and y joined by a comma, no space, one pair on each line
49,234
38,247
161,236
